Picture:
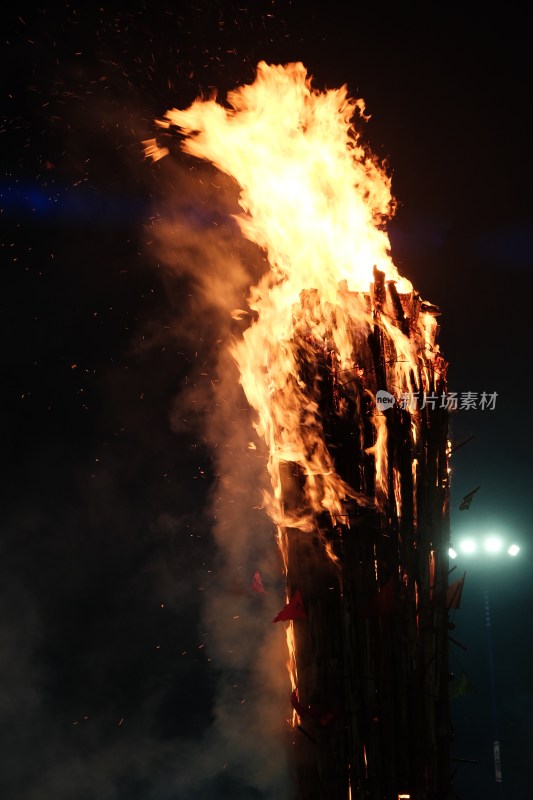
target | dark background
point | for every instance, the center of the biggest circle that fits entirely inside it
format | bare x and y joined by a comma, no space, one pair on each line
105,541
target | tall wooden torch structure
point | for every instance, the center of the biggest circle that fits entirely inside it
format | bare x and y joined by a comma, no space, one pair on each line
370,657
359,482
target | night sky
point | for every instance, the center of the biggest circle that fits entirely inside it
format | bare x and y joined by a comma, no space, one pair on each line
110,664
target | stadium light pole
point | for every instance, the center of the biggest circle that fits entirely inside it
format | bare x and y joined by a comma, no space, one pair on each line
491,546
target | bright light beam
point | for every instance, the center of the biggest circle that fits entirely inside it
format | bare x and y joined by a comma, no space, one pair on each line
493,544
468,546
452,553
513,550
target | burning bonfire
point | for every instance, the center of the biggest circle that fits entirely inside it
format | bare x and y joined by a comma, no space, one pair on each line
342,368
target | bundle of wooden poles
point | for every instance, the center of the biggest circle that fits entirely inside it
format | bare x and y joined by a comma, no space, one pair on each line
371,654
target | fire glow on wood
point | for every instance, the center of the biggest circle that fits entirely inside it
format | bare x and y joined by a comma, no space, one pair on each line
359,495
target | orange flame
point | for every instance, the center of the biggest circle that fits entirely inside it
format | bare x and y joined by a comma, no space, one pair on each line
316,201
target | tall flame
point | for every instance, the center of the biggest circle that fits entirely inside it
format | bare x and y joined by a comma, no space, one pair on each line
316,201
312,196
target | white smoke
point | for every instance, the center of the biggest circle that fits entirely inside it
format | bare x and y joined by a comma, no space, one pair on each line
209,268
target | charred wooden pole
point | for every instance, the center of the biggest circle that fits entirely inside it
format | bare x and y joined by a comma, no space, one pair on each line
371,658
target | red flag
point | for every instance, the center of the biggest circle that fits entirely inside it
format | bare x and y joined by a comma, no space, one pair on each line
322,717
293,610
455,591
384,603
257,583
295,703
464,505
